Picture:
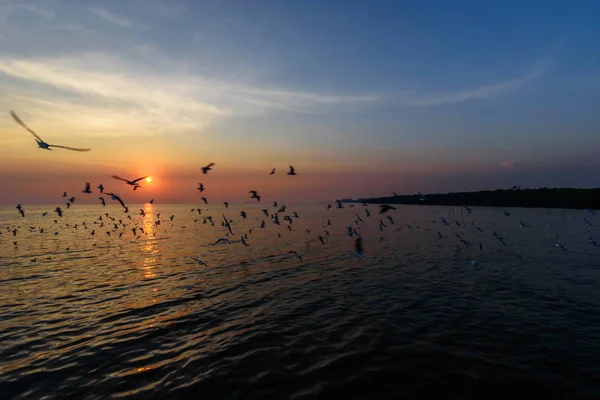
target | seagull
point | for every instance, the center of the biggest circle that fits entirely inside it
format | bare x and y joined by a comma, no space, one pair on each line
65,194
200,187
383,208
207,168
101,188
227,225
222,240
133,183
226,204
204,200
296,254
254,195
59,211
87,188
292,171
272,172
244,242
199,261
21,211
151,201
243,214
358,246
40,142
117,198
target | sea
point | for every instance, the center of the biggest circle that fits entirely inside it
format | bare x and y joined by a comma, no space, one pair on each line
443,302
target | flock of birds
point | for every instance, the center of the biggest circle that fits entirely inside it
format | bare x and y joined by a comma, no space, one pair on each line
279,213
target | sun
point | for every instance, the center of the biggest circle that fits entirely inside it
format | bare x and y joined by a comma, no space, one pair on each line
148,179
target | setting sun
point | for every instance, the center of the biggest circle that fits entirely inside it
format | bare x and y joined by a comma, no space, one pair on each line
148,179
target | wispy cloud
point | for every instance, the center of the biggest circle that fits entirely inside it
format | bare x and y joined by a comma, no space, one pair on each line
115,19
9,8
483,92
112,91
508,164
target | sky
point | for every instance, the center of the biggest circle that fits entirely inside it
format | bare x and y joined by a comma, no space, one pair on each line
363,98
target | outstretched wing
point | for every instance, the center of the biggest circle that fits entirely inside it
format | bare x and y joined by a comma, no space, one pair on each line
18,120
119,178
139,179
292,169
210,165
68,148
121,201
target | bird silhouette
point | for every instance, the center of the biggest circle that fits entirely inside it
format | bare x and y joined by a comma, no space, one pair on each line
101,187
133,183
207,168
204,200
272,172
292,171
41,144
87,188
383,208
117,198
200,187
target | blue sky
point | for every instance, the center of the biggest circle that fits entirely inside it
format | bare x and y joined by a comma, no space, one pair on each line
419,93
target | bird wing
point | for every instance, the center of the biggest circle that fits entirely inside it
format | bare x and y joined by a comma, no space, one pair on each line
292,169
68,148
121,201
139,179
210,165
87,186
119,178
18,120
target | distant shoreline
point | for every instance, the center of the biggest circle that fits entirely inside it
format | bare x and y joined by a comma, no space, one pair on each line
570,198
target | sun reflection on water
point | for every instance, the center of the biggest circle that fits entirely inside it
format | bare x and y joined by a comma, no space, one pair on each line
149,247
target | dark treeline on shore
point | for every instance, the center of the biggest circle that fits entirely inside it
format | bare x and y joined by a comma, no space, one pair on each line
537,198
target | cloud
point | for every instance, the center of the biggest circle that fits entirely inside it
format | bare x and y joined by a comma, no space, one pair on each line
508,164
98,91
115,19
7,9
540,67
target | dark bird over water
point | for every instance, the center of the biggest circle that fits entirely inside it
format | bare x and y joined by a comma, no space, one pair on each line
101,188
40,142
87,188
383,208
117,198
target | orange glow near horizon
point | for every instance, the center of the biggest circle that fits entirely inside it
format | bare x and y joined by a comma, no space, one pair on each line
148,179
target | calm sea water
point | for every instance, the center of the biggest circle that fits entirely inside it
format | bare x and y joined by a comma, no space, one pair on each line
104,316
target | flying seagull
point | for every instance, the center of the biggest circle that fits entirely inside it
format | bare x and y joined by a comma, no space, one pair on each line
200,187
383,208
292,171
117,198
133,183
207,168
87,188
41,144
272,172
199,261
